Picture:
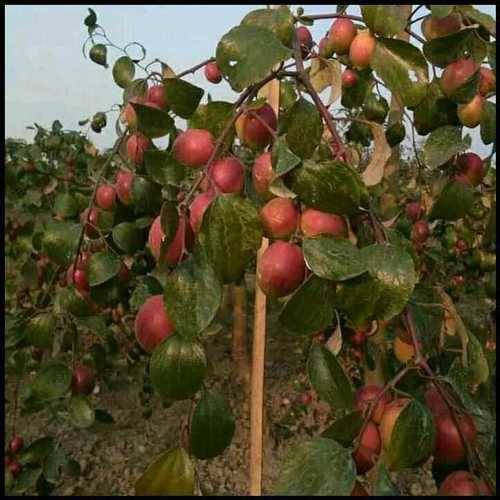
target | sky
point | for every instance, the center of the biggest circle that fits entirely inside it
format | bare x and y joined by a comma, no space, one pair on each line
48,78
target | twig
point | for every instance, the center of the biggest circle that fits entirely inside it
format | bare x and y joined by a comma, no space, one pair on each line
195,67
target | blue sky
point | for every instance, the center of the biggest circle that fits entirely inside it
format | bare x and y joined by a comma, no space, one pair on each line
47,77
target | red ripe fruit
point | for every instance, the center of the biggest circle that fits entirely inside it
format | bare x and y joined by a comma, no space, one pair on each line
279,217
435,402
152,104
253,126
366,395
463,484
305,40
362,49
228,174
183,235
262,174
341,35
325,48
349,78
420,231
152,324
471,165
7,460
358,338
136,145
129,116
123,186
306,398
90,220
413,210
156,96
448,446
368,449
462,179
461,246
83,381
456,74
15,469
193,147
106,197
458,280
16,444
212,72
281,269
78,278
197,210
487,81
314,222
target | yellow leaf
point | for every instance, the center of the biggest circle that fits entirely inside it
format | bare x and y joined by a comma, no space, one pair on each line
374,172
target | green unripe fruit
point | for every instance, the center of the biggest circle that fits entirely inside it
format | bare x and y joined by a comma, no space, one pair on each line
395,134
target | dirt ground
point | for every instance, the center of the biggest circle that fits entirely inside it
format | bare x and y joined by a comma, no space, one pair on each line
112,460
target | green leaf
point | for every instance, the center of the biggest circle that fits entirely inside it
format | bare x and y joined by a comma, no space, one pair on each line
98,54
444,143
102,267
403,68
137,88
192,296
375,108
145,195
454,202
477,364
303,313
412,437
303,128
485,20
393,269
69,300
123,71
467,91
279,21
27,480
307,470
53,464
80,412
212,426
288,94
177,368
492,55
230,235
488,122
441,10
345,429
384,487
444,50
333,258
152,122
52,381
66,205
330,186
328,378
171,474
37,451
162,167
283,160
60,241
91,20
434,111
246,54
182,97
128,237
214,117
40,330
103,417
427,316
385,20
169,222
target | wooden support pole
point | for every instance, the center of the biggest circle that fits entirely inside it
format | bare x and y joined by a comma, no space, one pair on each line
259,349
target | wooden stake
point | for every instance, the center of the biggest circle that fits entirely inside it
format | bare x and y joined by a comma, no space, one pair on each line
239,348
259,349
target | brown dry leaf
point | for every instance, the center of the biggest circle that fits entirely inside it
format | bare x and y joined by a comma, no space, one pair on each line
374,172
390,168
454,323
51,186
334,343
167,71
90,149
350,234
389,223
323,74
427,201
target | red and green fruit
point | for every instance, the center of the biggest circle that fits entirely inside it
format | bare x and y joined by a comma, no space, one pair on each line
194,147
152,324
362,49
255,127
136,145
212,72
463,484
470,114
157,96
197,209
106,197
349,78
228,175
367,395
123,186
279,218
456,74
262,174
83,381
281,269
368,449
314,222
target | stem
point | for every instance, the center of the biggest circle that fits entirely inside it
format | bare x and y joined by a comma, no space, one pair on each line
315,17
92,198
195,67
304,78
